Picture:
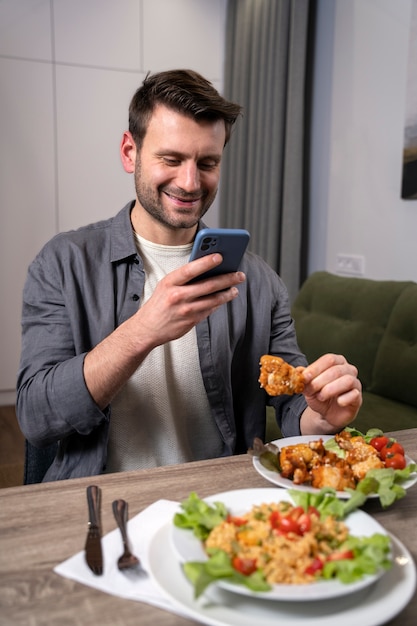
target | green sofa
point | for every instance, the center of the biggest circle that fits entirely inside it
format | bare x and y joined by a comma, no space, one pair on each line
374,325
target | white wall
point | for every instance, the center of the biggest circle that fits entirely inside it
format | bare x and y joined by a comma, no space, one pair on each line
359,116
68,71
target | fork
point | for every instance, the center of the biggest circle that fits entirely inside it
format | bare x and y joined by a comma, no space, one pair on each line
120,511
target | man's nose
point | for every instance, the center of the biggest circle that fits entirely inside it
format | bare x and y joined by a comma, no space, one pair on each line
189,177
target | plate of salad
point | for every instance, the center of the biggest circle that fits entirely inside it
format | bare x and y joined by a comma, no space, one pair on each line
386,474
279,544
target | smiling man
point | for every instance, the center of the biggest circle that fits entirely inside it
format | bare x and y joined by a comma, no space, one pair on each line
177,174
127,364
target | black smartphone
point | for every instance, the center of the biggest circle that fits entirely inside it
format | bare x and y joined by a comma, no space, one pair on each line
231,243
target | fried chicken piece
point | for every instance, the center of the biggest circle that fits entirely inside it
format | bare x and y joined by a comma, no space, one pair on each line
338,477
363,457
278,377
296,462
344,440
361,468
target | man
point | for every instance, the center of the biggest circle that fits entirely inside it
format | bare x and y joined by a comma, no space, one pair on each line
125,363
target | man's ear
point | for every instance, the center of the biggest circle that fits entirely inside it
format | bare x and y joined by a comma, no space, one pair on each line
128,152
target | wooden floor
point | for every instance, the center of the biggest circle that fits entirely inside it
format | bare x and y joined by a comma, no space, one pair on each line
12,449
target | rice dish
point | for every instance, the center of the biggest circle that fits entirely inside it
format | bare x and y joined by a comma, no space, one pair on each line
286,543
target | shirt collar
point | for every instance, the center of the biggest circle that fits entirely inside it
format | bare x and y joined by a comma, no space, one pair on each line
122,239
123,243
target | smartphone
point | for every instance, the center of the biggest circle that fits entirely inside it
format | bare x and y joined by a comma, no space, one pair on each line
231,243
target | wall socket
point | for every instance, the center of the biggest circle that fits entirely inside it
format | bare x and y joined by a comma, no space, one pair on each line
350,264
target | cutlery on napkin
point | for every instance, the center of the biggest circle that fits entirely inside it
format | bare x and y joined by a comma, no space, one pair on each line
138,586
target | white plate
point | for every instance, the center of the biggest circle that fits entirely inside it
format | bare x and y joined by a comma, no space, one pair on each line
369,607
277,479
240,501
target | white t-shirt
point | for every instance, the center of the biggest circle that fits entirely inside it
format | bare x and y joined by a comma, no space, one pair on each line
162,415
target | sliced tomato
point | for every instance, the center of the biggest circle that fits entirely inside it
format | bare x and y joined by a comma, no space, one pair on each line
340,556
315,566
379,442
304,523
297,521
396,461
288,525
296,512
274,519
244,565
313,511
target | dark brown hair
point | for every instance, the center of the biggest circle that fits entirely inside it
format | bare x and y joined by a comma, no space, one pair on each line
184,91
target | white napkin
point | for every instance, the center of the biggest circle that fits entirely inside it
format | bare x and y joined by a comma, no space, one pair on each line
131,584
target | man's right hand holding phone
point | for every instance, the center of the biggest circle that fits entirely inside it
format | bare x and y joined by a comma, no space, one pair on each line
174,308
180,301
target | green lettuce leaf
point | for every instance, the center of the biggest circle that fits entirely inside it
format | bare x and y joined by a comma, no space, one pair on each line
385,482
327,503
219,567
371,554
199,516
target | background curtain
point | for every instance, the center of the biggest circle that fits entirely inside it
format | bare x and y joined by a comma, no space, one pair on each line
264,180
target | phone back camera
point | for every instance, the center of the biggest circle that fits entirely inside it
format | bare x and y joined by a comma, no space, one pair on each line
207,243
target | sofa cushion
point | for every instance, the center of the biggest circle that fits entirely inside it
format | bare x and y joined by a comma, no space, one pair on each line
346,316
383,413
395,370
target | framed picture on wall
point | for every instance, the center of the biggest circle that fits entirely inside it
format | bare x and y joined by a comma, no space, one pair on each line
409,173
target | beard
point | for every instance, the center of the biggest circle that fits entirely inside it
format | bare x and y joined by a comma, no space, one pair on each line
151,199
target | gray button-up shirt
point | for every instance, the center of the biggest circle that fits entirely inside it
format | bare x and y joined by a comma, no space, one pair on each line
85,283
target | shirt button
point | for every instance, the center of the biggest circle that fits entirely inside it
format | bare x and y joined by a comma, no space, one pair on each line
135,297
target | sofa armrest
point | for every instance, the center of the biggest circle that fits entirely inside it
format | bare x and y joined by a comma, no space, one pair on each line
395,369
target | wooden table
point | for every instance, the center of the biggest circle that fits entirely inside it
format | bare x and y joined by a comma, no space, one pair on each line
43,525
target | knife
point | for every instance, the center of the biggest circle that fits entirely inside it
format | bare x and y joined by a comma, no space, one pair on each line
93,552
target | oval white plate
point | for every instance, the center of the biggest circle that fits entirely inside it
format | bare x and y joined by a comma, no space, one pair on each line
286,483
374,606
189,548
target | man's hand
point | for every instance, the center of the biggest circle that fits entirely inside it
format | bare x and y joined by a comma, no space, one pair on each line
333,393
177,305
174,308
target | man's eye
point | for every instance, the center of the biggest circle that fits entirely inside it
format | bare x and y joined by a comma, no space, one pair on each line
172,162
209,165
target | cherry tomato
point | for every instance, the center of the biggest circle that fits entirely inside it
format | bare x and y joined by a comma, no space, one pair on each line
244,565
392,447
396,460
379,442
